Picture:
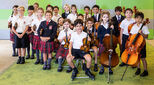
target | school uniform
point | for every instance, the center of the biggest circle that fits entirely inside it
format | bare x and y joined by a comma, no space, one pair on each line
65,14
49,30
21,42
96,17
72,17
116,21
86,17
63,51
124,25
77,40
144,30
55,18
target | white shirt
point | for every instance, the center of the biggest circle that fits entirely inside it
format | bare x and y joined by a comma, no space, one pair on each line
55,18
124,25
21,24
97,16
105,25
77,39
29,19
72,17
136,28
37,22
118,16
63,34
12,18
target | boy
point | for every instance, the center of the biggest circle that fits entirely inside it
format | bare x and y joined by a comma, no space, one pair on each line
56,14
96,15
86,11
75,52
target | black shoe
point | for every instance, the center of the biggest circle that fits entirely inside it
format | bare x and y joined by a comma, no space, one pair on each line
19,60
60,69
110,71
28,56
122,64
32,57
56,62
74,74
95,68
41,62
48,67
69,70
22,60
88,73
101,71
37,61
145,73
44,67
84,67
138,71
13,54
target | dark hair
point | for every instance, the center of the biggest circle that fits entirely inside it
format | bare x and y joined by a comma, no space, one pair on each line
90,19
80,15
30,7
129,9
139,14
118,8
67,20
59,18
87,7
48,12
56,7
49,6
95,6
78,21
15,6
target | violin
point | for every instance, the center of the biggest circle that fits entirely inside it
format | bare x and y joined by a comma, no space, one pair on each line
86,44
34,27
94,41
66,40
10,25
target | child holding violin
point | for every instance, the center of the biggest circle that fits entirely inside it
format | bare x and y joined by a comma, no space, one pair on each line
139,17
64,37
104,30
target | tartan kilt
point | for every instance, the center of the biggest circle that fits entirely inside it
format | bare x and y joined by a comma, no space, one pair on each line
62,52
36,42
56,46
30,36
46,47
101,49
12,36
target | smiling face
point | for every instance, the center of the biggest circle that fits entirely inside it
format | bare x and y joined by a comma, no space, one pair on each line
67,9
118,13
40,13
95,10
15,10
66,25
60,22
138,19
48,16
128,14
49,9
21,11
105,18
79,28
89,24
73,10
30,12
86,10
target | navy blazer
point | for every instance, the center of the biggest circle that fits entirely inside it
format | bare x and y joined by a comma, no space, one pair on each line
64,15
49,30
99,16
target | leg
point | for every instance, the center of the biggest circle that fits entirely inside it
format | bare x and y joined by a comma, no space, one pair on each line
19,53
41,61
95,55
138,71
60,59
14,49
23,56
33,51
37,54
49,61
28,52
145,73
45,61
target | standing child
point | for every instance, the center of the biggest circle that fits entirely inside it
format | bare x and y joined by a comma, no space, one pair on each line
96,15
36,40
56,14
20,27
86,13
124,29
47,31
67,11
49,8
13,16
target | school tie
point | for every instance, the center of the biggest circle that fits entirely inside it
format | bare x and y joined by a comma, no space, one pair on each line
47,23
96,17
119,19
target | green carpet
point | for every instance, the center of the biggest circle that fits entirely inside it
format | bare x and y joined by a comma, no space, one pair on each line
30,74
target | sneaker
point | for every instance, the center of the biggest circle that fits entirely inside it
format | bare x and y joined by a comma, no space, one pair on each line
60,69
95,68
88,73
37,61
138,71
145,73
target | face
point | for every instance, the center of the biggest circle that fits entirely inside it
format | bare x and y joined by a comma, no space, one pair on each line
48,16
56,10
86,10
15,10
73,9
95,10
118,13
66,25
35,6
49,9
138,19
80,17
105,18
79,27
39,13
60,22
66,8
89,24
30,12
128,14
21,11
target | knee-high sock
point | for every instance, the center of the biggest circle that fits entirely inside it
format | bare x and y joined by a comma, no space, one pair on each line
49,61
37,54
60,62
14,49
41,56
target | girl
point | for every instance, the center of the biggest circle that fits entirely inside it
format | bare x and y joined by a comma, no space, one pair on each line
20,28
10,20
67,11
47,31
49,8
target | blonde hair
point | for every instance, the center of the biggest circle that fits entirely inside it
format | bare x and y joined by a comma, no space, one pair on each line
103,13
21,7
41,9
66,5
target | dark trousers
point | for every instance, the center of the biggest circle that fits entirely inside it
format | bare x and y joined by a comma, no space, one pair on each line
124,39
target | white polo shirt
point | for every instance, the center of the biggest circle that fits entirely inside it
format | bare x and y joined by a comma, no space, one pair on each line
136,28
63,34
29,19
11,19
124,25
77,39
37,22
55,18
72,17
21,24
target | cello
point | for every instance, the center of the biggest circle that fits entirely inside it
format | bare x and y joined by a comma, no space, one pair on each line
135,43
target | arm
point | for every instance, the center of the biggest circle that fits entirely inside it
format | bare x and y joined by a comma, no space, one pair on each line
53,34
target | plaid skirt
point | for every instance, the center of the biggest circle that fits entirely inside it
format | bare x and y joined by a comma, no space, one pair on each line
56,46
12,36
30,36
62,52
36,42
101,49
46,47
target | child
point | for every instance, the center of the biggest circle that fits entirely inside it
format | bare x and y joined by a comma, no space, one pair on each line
96,15
49,8
124,29
47,31
56,14
60,24
86,11
62,51
20,27
29,20
73,15
75,52
36,6
103,30
91,29
139,17
117,20
36,39
67,11
10,21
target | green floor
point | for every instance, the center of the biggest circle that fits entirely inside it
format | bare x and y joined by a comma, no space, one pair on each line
30,74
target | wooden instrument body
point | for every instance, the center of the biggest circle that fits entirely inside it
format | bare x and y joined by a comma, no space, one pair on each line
86,45
94,40
10,25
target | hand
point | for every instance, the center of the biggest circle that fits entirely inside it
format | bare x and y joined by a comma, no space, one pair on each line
43,39
112,26
140,31
110,50
107,35
20,35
